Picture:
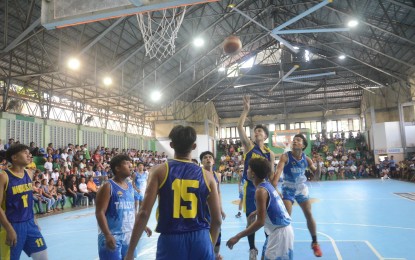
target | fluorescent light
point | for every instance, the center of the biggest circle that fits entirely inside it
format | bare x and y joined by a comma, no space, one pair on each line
221,69
373,87
296,48
74,64
107,81
352,23
156,95
198,42
342,57
249,63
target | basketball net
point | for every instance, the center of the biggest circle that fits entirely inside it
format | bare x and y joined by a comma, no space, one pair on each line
159,33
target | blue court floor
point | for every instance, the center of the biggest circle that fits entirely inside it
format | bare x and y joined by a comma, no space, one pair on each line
356,220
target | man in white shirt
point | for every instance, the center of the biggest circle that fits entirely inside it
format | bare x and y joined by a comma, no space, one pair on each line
55,176
64,155
48,165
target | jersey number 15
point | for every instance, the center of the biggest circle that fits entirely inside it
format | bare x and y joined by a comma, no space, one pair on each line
180,189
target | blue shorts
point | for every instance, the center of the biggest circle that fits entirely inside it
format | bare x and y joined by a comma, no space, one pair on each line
122,241
137,196
29,240
189,245
249,198
297,192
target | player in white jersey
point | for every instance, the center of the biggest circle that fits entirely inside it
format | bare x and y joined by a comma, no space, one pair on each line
271,214
115,211
140,181
294,164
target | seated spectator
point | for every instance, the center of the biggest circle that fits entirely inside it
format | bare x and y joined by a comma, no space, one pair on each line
91,186
31,165
84,190
55,195
60,190
46,196
48,165
55,176
72,191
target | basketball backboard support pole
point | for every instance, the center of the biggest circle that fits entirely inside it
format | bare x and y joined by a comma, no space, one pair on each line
63,13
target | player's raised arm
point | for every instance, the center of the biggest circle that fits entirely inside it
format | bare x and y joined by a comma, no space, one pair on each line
312,167
247,144
280,168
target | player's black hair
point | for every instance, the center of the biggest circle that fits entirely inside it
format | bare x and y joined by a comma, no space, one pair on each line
182,137
260,167
205,153
14,149
263,128
117,160
304,140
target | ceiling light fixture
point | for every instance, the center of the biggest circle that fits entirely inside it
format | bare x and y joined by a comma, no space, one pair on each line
74,63
352,23
198,42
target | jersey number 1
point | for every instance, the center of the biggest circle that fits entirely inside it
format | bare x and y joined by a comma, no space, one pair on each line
180,189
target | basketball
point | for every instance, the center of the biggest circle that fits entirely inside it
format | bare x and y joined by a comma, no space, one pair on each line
232,45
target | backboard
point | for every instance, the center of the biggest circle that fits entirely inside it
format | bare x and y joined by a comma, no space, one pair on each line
63,13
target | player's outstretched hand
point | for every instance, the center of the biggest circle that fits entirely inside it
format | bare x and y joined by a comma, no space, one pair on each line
148,231
110,242
232,241
247,103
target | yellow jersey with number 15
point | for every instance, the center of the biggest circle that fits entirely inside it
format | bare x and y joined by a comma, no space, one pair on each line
182,199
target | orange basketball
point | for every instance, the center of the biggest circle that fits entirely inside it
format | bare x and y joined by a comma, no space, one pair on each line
232,45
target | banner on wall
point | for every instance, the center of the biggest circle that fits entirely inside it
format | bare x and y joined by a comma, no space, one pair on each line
283,138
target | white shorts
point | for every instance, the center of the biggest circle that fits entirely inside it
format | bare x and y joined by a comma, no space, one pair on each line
280,244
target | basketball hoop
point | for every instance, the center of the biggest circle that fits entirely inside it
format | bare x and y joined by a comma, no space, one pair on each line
159,33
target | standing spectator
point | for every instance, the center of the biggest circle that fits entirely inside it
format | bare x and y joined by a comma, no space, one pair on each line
87,156
392,167
10,143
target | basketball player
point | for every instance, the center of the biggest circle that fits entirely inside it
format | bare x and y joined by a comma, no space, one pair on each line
207,160
140,181
241,183
115,211
256,149
271,214
294,164
183,190
19,231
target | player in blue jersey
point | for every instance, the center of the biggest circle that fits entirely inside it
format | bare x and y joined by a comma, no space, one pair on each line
19,231
207,159
183,190
271,214
294,164
256,149
241,184
115,211
140,181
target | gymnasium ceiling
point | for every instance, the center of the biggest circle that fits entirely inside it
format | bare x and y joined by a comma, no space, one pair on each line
379,52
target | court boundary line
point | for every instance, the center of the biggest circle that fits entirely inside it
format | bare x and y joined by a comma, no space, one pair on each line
361,225
402,197
332,241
